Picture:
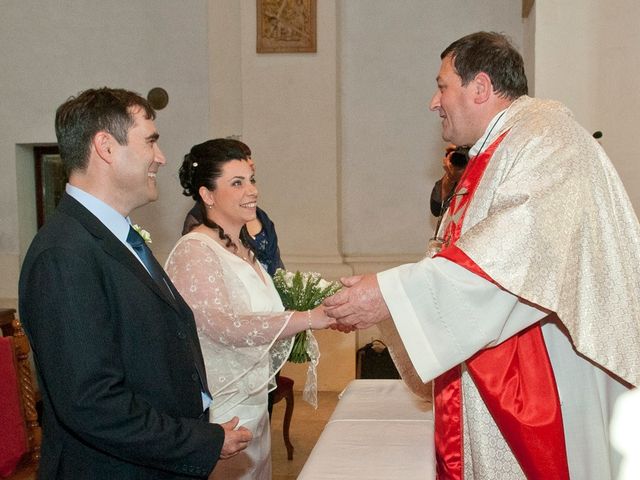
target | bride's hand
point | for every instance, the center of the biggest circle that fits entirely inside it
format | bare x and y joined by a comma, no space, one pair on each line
319,320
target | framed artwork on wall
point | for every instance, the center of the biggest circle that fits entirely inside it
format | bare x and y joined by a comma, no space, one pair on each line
51,179
286,26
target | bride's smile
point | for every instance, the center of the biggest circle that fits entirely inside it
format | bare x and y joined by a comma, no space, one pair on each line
233,201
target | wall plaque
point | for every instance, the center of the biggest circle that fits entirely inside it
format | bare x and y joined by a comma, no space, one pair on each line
286,26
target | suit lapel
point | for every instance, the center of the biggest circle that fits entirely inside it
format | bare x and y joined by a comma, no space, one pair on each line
114,247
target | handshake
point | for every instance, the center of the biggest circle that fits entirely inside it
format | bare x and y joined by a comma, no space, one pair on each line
358,305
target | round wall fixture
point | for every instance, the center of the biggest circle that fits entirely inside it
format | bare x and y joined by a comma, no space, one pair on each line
158,98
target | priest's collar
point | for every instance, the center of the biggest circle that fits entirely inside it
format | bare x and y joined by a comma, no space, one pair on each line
495,125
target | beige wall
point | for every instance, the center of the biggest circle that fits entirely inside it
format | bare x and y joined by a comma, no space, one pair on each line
595,72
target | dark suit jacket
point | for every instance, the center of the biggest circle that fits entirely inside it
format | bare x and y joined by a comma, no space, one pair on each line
119,362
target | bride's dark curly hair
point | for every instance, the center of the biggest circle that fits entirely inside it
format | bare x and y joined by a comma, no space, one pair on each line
201,167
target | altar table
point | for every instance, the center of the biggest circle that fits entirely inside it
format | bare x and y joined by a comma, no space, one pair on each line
379,430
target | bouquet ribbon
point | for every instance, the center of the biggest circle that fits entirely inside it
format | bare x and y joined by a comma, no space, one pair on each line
310,392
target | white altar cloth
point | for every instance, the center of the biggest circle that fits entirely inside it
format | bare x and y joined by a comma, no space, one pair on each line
379,430
380,400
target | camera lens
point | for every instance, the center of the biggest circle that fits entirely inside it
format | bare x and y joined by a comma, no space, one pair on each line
459,157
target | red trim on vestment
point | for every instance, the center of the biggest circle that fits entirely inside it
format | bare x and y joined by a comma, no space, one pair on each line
515,379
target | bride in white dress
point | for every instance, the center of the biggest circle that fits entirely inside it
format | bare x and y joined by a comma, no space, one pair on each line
245,334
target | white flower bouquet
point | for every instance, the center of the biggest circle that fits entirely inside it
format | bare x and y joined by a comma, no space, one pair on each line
301,292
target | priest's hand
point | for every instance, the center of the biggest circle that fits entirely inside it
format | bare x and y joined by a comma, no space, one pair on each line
360,304
343,328
235,439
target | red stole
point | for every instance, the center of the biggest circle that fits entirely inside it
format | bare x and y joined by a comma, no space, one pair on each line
514,379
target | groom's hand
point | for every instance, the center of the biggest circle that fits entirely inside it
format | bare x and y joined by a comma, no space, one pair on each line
235,440
360,304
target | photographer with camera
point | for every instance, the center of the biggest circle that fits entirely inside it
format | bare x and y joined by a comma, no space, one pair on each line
454,162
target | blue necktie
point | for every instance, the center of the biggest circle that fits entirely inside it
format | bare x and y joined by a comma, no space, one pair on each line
155,270
144,253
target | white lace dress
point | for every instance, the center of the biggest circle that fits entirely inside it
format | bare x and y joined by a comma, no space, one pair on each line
239,318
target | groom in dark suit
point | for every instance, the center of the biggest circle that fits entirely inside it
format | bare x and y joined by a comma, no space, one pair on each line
121,373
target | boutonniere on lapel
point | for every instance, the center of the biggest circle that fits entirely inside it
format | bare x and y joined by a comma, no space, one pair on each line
146,236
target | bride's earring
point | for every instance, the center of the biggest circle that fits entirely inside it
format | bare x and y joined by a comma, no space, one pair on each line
209,206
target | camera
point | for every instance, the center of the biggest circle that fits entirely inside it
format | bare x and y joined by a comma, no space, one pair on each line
460,157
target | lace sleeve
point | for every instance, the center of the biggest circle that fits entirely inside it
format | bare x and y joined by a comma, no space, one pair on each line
241,348
219,301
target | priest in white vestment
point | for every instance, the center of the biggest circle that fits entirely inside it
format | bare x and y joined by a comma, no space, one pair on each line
527,319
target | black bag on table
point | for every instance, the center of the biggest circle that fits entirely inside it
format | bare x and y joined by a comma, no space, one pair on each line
374,361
